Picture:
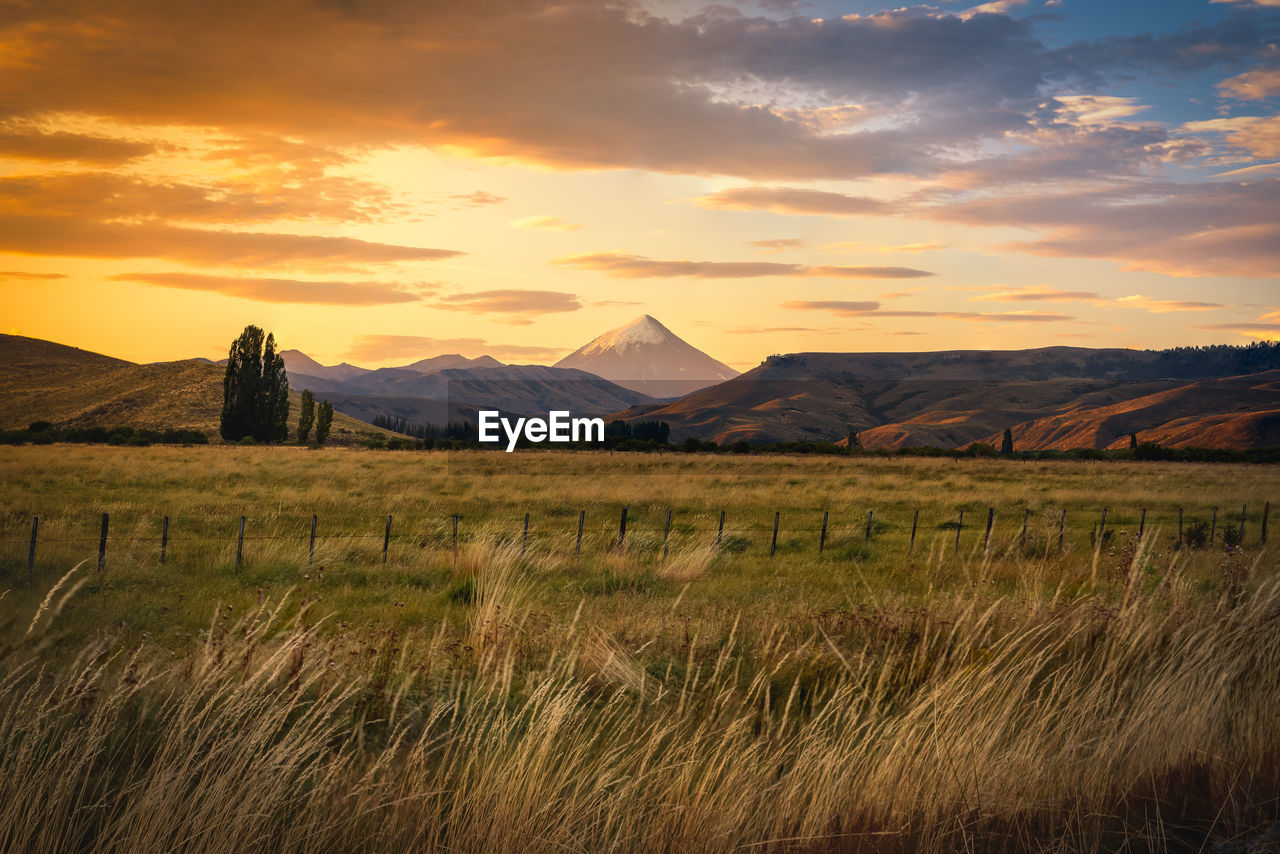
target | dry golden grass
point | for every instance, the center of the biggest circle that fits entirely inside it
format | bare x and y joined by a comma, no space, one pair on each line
516,697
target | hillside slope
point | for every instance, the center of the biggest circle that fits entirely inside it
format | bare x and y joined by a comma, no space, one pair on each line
944,399
1233,412
44,381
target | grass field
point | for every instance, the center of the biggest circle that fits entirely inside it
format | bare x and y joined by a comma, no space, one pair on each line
508,695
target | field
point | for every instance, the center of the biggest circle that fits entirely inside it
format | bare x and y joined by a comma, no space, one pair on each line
507,691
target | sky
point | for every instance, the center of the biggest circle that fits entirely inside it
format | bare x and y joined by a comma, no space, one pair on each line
378,181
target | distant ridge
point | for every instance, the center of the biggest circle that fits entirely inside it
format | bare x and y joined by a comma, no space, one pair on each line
648,357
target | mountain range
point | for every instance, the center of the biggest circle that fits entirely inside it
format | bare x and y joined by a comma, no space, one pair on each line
1049,398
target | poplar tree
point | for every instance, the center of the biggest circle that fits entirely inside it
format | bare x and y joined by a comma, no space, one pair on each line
1006,444
324,419
307,415
255,390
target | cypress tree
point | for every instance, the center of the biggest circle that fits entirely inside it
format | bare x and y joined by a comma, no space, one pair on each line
324,419
307,415
1006,444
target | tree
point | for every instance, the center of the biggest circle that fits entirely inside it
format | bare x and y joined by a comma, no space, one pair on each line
1133,441
324,419
855,440
307,415
255,390
273,412
1006,444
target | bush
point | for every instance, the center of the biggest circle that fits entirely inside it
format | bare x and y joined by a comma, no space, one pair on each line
1196,534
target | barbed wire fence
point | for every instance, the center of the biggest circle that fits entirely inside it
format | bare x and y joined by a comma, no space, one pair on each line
883,529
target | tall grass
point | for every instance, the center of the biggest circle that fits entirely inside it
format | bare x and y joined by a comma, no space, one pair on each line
1143,718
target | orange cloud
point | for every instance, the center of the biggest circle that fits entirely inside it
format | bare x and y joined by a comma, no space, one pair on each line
545,223
281,290
30,144
515,302
69,236
849,308
792,200
622,265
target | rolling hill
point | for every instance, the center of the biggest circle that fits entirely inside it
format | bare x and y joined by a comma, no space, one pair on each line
41,380
953,398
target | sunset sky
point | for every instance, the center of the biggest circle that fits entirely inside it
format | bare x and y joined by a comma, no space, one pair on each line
381,181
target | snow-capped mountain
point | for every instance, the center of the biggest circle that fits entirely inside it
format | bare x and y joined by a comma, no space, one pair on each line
648,357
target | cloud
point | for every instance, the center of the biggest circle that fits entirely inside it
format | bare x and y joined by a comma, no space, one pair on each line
1164,306
624,266
380,348
113,196
1257,136
514,302
478,199
762,330
792,200
1210,229
545,223
281,290
1040,294
846,308
19,274
72,237
581,84
1252,85
856,246
776,244
30,144
1256,329
995,7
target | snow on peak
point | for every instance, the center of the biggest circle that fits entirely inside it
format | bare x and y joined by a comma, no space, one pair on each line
643,330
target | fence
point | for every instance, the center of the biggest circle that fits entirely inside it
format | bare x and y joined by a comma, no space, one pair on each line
875,529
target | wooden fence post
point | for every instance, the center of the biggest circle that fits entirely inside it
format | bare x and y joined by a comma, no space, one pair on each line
577,549
1102,528
1026,517
666,533
869,514
622,531
102,542
311,545
822,538
31,552
386,541
915,520
164,540
959,525
1213,526
1142,523
455,540
1266,511
773,545
524,536
1244,512
720,531
1179,527
240,545
991,518
1062,527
